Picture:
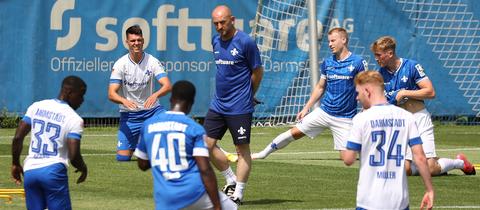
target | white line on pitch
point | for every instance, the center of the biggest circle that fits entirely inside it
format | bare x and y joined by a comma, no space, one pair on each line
290,153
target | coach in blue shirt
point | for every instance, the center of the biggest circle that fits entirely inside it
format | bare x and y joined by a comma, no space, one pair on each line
239,72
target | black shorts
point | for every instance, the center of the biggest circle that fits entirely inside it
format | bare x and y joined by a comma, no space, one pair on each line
216,125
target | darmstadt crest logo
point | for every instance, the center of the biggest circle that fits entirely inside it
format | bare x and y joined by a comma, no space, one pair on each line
234,52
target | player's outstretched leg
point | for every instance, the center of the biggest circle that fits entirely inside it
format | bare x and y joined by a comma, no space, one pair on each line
468,167
279,142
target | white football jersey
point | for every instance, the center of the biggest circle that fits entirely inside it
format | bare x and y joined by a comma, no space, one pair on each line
381,134
52,122
137,81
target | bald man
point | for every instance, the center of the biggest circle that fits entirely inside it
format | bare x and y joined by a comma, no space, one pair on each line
239,72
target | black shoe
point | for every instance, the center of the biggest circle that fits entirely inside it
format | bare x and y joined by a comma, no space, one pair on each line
236,200
229,189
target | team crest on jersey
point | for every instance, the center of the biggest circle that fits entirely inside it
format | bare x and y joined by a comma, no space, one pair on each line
350,68
404,79
148,72
234,52
420,70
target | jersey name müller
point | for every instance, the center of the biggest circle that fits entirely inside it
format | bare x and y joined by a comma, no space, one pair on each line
137,81
52,122
340,96
381,135
170,141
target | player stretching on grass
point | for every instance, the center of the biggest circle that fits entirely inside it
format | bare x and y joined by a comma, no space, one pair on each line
338,106
239,72
56,133
131,86
381,135
173,145
407,86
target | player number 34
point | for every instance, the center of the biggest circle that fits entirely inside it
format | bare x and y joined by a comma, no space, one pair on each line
394,150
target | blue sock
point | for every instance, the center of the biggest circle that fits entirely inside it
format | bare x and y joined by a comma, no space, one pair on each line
123,157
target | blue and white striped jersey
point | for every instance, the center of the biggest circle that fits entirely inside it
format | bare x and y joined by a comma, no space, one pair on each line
407,76
339,98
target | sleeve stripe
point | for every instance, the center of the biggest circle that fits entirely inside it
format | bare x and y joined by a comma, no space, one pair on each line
414,141
354,146
116,81
27,120
200,152
140,154
160,76
74,136
421,79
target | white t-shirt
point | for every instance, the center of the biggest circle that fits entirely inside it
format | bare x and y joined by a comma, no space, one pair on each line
381,135
137,80
52,122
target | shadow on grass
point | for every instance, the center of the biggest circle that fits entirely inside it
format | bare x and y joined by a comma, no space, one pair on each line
269,201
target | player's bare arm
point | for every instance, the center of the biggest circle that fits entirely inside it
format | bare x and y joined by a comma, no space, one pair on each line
257,75
414,102
76,159
421,162
209,180
349,157
314,97
166,87
426,91
17,146
116,98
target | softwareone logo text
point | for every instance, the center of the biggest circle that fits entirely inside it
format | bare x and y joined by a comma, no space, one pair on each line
186,28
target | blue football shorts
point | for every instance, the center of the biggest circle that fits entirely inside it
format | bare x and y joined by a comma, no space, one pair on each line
130,125
216,125
47,187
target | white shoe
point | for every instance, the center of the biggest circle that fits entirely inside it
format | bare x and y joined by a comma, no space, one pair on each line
258,155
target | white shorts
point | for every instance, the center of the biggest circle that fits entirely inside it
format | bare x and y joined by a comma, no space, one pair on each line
425,129
204,202
316,121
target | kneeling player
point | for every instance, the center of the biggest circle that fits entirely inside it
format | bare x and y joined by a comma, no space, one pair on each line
174,145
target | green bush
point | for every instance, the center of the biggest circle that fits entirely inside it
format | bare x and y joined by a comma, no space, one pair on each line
8,120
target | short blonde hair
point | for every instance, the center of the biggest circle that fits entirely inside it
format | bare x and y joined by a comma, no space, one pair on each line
369,77
341,31
384,43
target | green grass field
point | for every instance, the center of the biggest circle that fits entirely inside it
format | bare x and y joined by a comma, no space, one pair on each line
306,175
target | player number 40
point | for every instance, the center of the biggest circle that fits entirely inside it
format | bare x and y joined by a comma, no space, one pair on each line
165,158
394,150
